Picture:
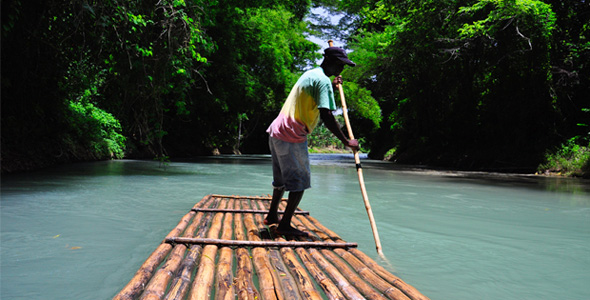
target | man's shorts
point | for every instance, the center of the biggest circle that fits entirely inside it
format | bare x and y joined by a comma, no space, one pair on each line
290,165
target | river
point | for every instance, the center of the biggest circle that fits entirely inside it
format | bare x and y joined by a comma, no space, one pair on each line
80,231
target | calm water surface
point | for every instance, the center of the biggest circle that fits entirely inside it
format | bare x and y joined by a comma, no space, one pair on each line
81,231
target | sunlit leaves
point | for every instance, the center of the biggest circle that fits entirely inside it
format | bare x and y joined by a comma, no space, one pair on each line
362,104
98,130
499,14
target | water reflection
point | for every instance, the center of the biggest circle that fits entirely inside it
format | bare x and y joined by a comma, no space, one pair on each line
547,183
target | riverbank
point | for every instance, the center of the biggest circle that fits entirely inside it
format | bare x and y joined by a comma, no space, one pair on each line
19,164
577,166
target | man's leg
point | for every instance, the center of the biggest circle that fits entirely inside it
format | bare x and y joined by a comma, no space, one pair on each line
285,224
277,184
277,196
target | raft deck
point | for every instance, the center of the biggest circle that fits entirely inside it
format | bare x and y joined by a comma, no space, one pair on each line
221,248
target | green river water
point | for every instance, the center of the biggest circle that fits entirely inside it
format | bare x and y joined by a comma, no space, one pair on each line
81,231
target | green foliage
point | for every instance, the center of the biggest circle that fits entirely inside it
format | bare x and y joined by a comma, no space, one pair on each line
572,158
167,71
261,51
142,60
322,138
96,130
159,52
570,53
465,84
473,84
164,161
502,13
361,103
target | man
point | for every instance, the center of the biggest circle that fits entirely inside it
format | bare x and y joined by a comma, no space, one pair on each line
311,98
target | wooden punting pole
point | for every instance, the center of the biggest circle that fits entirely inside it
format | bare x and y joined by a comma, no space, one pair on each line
359,171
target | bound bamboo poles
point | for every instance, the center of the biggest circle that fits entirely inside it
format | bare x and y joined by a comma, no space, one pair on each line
283,278
362,263
159,282
181,284
266,280
307,268
145,272
307,289
330,288
360,275
203,282
347,280
343,284
244,284
359,283
224,277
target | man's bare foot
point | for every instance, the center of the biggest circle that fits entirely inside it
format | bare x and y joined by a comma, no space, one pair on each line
291,231
270,221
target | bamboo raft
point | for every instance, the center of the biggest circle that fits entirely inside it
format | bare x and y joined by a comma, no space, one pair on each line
221,249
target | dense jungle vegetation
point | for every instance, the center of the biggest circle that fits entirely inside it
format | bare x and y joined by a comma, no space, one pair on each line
480,84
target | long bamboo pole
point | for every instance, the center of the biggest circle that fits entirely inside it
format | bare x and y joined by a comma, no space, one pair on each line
359,170
246,290
284,279
203,282
181,284
156,288
224,242
306,286
243,197
267,288
245,211
225,288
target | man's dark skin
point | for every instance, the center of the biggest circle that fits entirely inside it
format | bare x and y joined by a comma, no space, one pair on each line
331,67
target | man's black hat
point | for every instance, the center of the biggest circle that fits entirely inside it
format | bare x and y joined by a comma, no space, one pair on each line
338,53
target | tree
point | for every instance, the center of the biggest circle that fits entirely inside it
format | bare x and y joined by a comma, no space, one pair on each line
461,83
150,78
260,49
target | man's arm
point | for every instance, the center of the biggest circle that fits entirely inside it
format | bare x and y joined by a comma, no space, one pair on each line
332,125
